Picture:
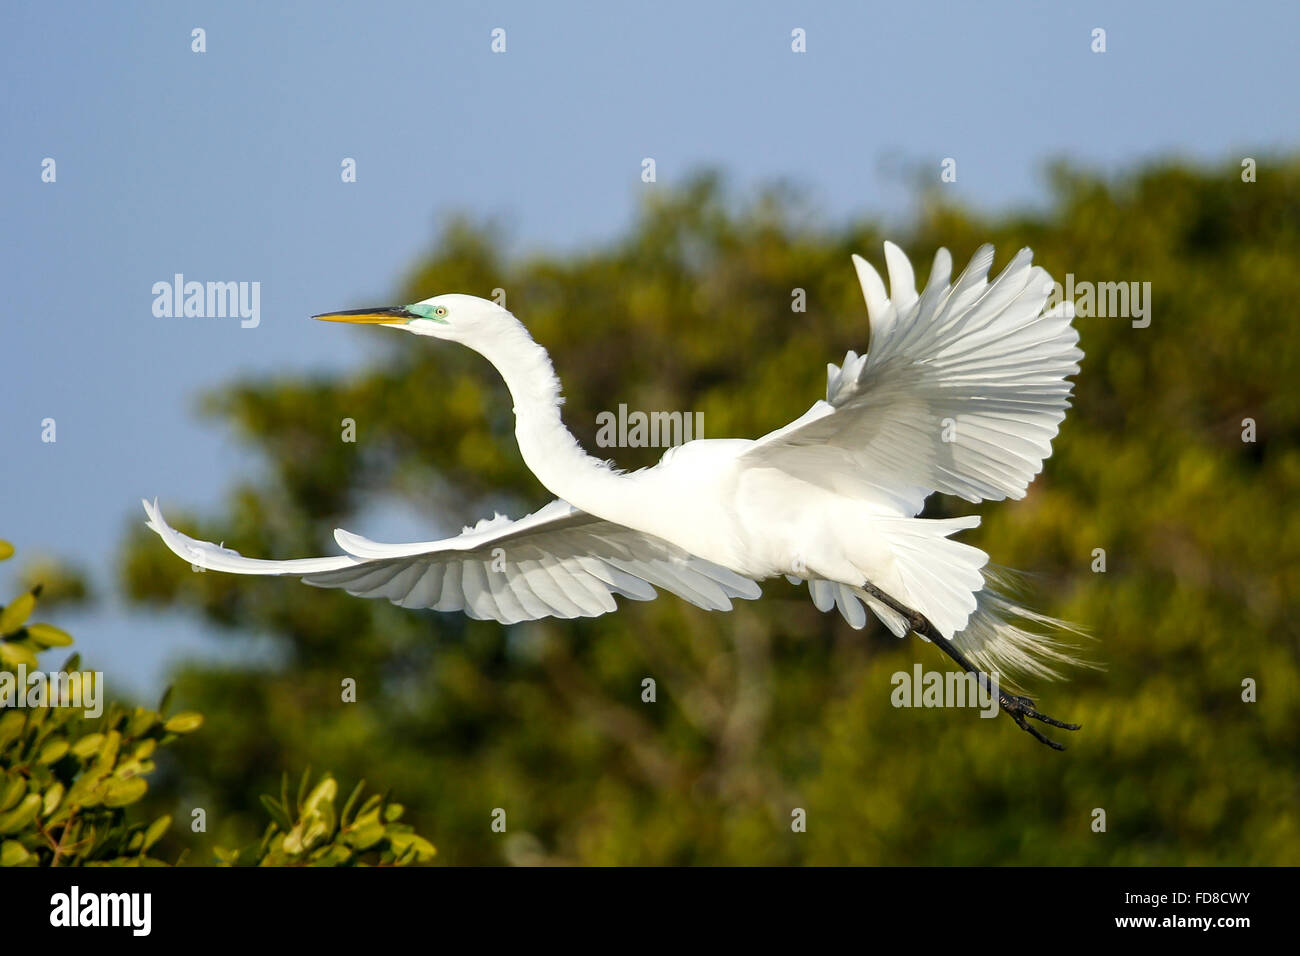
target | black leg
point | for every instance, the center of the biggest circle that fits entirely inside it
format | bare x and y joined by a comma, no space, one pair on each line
1017,708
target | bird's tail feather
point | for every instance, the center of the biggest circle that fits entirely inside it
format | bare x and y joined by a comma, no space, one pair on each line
1004,636
1000,635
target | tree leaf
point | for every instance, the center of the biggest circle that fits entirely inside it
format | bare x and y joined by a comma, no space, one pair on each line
13,853
352,801
47,635
184,723
123,791
16,613
323,792
53,751
155,831
277,813
53,797
12,790
14,653
21,815
88,746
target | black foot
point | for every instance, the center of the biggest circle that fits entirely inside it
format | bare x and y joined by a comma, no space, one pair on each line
1019,708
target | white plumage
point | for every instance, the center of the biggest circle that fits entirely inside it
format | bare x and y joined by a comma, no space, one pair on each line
962,392
556,562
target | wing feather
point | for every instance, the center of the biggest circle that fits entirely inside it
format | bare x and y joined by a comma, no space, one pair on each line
962,392
556,562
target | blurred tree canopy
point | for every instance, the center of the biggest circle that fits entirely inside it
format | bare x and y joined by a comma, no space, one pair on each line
776,707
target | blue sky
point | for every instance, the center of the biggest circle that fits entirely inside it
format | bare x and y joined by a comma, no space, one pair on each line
225,165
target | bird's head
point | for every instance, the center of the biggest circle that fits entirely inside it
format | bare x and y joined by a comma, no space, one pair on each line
460,318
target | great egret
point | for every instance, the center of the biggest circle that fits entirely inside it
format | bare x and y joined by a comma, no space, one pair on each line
961,393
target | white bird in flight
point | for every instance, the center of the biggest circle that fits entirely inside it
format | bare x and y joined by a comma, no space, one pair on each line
961,393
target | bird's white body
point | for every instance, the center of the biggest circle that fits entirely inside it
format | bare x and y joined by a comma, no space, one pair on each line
961,393
694,498
756,520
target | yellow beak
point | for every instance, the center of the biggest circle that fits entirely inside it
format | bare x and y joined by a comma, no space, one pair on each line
380,316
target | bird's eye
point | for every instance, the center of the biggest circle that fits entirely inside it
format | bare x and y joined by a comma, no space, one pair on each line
434,313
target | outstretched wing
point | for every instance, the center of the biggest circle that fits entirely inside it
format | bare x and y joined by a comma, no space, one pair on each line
962,391
557,562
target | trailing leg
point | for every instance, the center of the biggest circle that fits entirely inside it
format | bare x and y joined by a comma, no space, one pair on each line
1019,709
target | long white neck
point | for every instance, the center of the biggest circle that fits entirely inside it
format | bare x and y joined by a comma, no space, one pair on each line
549,449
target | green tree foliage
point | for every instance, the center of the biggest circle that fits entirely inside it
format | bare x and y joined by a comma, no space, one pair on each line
311,832
776,708
71,783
